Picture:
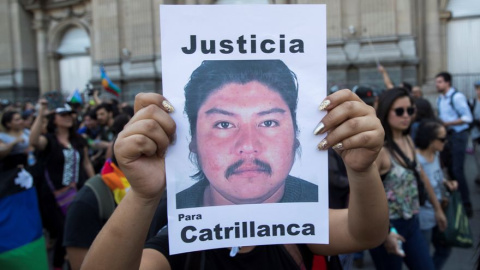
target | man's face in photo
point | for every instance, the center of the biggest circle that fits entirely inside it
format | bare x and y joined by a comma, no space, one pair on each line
245,143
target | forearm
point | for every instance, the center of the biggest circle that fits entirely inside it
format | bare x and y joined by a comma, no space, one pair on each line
120,243
368,210
36,130
387,80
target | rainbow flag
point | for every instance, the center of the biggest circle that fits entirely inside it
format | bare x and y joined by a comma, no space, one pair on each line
108,85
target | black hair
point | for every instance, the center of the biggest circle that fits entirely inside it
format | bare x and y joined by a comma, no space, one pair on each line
212,75
128,110
108,107
385,103
7,117
424,110
407,86
75,139
429,132
118,123
447,77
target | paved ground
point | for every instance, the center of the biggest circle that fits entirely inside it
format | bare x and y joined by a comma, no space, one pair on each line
460,259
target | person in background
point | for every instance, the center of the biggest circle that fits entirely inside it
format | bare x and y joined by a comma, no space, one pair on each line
417,92
403,180
475,132
85,218
22,245
66,167
454,112
423,110
429,145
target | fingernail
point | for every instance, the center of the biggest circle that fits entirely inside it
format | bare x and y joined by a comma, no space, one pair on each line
322,145
319,129
168,106
324,105
338,146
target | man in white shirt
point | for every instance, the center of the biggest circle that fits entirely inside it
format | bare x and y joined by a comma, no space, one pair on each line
455,114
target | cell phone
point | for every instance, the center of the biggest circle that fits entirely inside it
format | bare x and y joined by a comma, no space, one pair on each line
54,99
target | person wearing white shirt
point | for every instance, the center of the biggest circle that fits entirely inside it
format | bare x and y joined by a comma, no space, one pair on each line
455,114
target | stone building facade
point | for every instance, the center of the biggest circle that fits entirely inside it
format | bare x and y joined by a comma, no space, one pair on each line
51,44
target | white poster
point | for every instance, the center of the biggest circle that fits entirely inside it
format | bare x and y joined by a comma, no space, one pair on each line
246,82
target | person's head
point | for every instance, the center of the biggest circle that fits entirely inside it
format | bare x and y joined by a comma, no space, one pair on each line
477,88
424,109
242,118
417,92
395,111
90,119
28,116
105,114
12,120
366,94
406,85
443,82
61,117
119,122
433,135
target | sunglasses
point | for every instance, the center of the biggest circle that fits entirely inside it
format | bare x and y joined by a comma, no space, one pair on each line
401,111
443,140
63,114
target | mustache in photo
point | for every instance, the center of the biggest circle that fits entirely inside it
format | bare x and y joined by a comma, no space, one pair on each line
262,166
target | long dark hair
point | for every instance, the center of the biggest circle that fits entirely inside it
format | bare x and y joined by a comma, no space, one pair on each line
75,139
385,103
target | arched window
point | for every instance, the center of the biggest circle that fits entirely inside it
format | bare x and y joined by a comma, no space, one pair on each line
75,64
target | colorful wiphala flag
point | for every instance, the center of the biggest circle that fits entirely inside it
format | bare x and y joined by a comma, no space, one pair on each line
22,245
107,84
75,97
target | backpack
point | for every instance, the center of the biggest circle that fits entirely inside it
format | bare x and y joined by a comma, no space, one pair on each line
104,196
471,105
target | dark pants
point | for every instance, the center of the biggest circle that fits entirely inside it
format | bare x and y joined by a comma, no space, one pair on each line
441,252
457,143
416,248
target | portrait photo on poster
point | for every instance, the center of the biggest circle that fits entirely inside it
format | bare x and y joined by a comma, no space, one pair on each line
243,127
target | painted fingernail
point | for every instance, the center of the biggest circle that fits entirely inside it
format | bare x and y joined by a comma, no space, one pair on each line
168,106
324,105
322,145
319,129
338,146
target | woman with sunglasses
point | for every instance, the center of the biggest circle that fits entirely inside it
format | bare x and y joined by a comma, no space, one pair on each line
66,167
402,178
429,145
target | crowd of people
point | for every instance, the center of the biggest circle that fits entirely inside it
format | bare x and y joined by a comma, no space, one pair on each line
61,165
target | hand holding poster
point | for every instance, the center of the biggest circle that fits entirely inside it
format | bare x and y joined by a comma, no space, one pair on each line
249,85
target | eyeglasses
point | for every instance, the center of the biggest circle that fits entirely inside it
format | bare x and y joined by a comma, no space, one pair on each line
400,111
443,140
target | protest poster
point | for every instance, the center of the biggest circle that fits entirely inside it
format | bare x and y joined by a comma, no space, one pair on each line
244,169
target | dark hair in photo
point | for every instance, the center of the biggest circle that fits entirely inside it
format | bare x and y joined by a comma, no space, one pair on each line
212,75
429,133
446,76
385,103
7,118
108,107
75,139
